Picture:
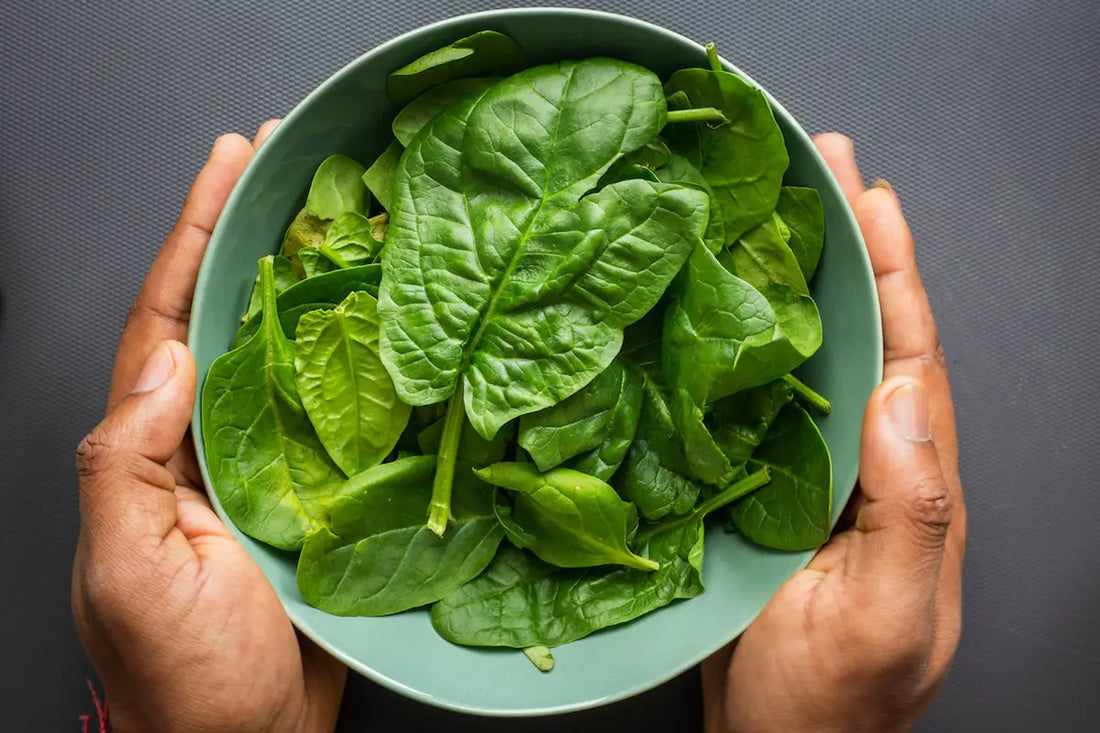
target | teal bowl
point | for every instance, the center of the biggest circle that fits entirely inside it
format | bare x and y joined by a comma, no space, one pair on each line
348,114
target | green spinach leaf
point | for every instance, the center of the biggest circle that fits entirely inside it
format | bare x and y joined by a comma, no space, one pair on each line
565,517
520,601
326,290
742,160
654,474
740,422
267,467
679,169
761,257
801,210
347,393
604,460
722,335
639,164
794,511
378,557
599,420
486,53
337,187
425,108
350,241
540,280
379,178
314,263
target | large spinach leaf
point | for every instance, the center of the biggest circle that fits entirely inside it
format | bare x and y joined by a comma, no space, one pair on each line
742,160
566,517
520,601
722,335
598,421
425,108
794,511
347,393
502,288
486,53
377,557
801,210
326,290
267,467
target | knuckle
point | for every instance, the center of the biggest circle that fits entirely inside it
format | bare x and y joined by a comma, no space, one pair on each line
931,506
93,453
144,308
936,357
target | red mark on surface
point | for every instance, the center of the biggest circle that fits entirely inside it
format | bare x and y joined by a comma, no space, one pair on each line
101,712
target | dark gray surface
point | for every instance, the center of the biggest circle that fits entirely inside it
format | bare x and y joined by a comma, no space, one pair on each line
984,115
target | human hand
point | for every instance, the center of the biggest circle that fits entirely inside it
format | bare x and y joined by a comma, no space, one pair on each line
861,639
182,626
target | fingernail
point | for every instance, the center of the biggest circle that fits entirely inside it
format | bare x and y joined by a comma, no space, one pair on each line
158,368
884,185
908,407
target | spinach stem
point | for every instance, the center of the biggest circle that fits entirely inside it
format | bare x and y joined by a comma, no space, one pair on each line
439,511
712,57
697,114
377,219
332,255
750,483
813,398
541,657
269,310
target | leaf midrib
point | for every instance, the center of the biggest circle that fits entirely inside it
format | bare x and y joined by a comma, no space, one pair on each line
521,245
274,330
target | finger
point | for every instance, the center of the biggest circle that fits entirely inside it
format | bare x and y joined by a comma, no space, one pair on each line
196,519
264,132
163,306
127,495
910,339
840,155
908,329
896,551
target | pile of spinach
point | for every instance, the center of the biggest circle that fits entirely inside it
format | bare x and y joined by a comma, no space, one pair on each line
562,334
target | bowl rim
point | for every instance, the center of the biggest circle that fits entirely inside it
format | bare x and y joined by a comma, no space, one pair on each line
244,183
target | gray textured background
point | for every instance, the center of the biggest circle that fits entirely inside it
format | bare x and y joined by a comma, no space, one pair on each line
984,115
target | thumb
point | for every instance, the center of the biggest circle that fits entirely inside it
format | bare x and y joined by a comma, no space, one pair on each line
903,525
126,492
